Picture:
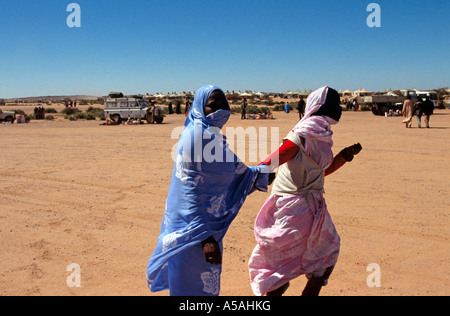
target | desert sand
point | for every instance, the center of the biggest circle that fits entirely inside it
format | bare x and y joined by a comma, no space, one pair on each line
78,192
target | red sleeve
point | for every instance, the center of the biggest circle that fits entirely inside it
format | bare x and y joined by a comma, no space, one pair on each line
338,162
286,152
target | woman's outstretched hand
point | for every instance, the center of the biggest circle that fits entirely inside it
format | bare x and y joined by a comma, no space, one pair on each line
350,152
272,177
211,251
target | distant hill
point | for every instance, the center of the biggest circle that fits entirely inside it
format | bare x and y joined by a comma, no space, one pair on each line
52,98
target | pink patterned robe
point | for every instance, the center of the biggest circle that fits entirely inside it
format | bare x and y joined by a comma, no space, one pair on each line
294,231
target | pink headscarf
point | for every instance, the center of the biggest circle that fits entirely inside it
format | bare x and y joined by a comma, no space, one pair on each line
316,130
316,127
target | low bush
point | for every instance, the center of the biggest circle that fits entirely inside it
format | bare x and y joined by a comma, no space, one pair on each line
91,113
278,108
96,113
70,111
20,112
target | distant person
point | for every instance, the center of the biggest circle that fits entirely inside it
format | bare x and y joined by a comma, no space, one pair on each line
418,111
301,107
244,109
287,108
356,105
178,108
348,104
428,109
408,107
170,108
188,106
39,112
36,112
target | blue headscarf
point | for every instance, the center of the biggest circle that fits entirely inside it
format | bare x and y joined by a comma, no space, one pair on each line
209,186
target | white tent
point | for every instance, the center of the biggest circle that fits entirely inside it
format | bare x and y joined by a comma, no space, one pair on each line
347,93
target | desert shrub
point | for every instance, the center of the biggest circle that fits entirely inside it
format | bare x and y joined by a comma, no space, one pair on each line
91,113
90,116
70,111
20,112
50,110
270,101
253,110
49,117
76,116
235,109
80,116
278,108
96,113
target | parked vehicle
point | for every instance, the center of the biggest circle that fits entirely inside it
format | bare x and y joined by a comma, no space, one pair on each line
393,101
434,97
119,109
7,116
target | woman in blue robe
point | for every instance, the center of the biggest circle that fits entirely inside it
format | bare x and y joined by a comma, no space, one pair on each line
209,186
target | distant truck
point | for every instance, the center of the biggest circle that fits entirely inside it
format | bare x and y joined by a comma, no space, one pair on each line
119,108
434,97
383,103
7,116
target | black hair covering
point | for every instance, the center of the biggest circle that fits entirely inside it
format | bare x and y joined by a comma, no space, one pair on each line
331,107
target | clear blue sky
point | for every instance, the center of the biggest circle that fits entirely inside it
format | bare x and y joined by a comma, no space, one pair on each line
142,46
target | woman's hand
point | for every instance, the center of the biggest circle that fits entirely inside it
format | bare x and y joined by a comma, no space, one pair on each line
350,152
272,177
211,251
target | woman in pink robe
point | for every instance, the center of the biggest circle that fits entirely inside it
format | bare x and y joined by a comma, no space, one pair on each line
294,231
408,111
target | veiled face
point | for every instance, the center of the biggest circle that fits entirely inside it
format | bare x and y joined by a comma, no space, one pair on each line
331,108
217,101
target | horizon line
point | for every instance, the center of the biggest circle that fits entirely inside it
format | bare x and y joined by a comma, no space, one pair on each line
190,92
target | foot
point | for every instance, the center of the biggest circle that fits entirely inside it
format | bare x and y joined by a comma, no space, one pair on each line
313,287
280,291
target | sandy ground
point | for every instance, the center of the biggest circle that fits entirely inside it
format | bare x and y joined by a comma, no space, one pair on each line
78,192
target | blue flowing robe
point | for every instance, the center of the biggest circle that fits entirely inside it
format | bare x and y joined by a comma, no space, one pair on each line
209,186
